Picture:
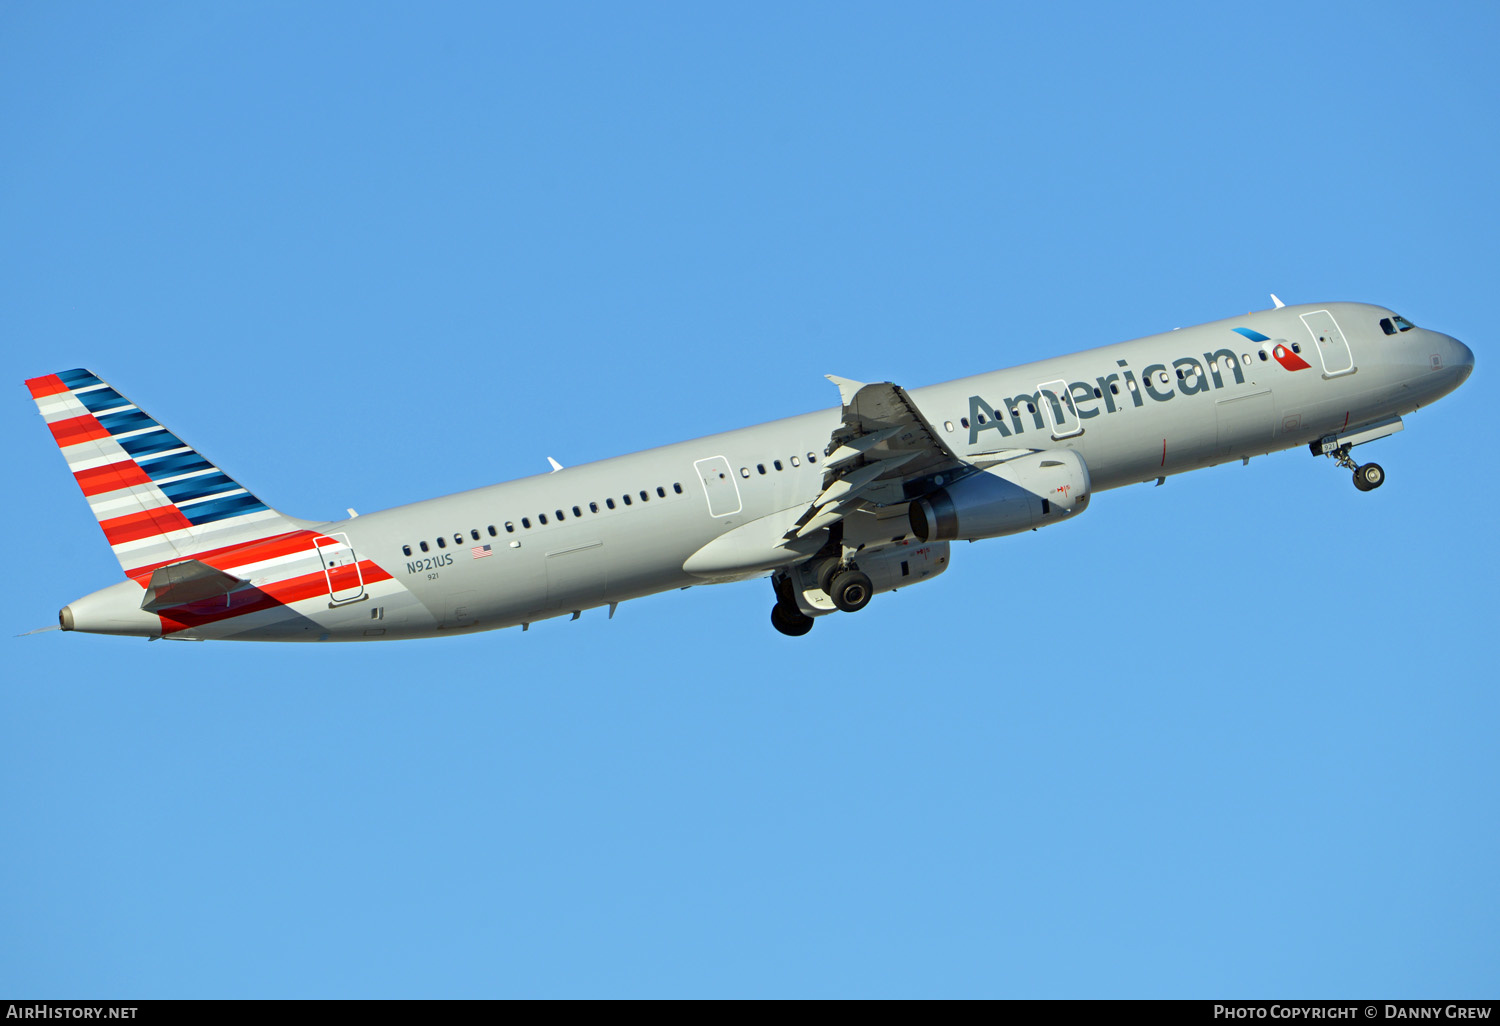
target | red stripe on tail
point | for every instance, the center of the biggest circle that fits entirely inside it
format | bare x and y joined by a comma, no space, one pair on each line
230,557
111,477
47,384
77,429
146,524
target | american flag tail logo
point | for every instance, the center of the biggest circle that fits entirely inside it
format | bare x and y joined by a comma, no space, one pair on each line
155,497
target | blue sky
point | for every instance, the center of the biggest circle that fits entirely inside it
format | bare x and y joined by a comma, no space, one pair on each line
1232,737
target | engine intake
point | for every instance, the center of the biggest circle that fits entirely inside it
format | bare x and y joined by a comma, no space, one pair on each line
1017,495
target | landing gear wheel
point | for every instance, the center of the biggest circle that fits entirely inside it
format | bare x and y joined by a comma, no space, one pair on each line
851,590
1369,477
825,576
792,624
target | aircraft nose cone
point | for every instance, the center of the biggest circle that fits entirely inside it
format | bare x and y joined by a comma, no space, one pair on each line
1463,359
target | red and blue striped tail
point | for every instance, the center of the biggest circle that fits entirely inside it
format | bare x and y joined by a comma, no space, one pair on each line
156,498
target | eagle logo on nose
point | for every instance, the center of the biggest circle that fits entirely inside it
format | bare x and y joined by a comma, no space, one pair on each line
1280,351
1291,361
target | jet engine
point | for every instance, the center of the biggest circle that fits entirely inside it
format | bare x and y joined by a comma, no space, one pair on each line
1029,491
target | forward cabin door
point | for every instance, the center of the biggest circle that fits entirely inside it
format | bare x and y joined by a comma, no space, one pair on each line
719,486
340,568
1333,348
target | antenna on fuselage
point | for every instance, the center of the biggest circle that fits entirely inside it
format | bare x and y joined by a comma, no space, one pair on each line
556,466
1279,303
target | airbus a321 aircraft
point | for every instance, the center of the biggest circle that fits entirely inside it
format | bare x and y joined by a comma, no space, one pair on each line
835,506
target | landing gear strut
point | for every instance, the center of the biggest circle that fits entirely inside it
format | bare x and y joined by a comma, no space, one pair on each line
1367,477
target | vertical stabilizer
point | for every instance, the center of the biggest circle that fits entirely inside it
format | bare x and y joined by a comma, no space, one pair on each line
155,497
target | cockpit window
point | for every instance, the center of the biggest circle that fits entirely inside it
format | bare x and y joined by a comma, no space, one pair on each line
1386,326
1402,324
1393,324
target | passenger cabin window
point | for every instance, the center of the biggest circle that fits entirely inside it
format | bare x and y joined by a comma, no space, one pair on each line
964,421
610,503
761,467
626,498
475,533
526,523
406,550
593,507
541,518
423,546
510,527
458,537
797,463
776,464
661,493
677,487
744,472
577,512
493,533
442,544
811,458
560,517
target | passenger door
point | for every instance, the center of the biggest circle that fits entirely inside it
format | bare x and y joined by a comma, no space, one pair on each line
1333,348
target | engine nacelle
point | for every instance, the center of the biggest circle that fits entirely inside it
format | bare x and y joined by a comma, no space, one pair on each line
1017,495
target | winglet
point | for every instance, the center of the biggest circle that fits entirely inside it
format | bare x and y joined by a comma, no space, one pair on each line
1279,303
556,466
847,387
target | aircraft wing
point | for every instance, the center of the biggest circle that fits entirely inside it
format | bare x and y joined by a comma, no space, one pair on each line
884,452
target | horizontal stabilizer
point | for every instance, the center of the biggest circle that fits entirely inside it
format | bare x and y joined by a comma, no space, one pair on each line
188,582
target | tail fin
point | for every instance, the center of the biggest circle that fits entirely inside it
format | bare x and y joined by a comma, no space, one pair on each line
156,499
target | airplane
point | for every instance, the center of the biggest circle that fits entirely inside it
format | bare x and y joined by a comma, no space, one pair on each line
835,506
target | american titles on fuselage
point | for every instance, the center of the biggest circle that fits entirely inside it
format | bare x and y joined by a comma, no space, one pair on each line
1192,377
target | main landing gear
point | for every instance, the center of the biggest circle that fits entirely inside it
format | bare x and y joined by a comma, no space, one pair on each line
793,623
850,588
1367,477
785,616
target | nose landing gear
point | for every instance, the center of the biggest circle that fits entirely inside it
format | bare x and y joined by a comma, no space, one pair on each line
1367,477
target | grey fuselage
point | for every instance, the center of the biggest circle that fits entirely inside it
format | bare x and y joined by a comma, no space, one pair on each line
1134,411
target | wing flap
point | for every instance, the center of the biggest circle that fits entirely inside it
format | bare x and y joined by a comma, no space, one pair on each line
883,442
